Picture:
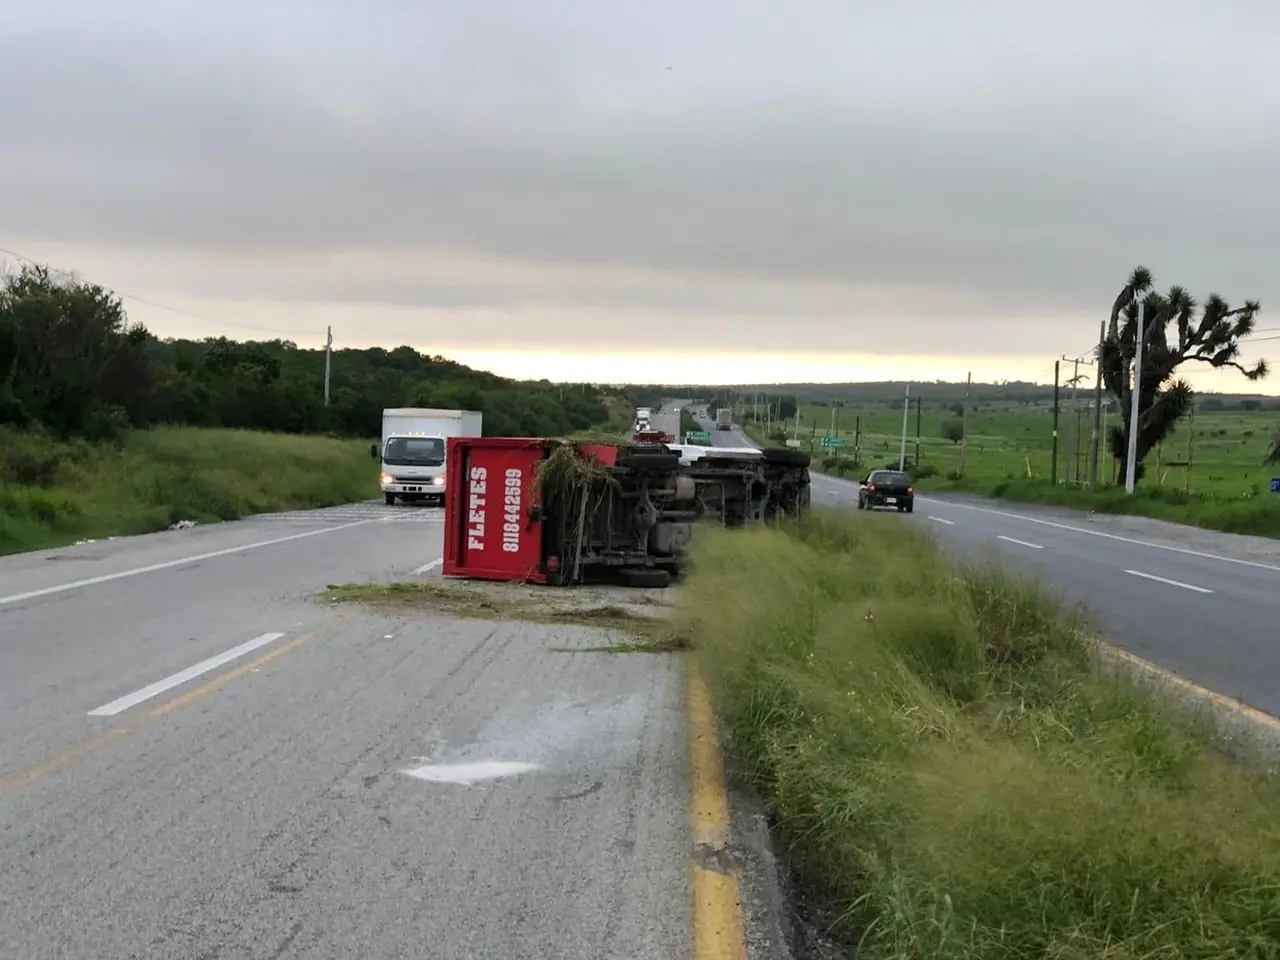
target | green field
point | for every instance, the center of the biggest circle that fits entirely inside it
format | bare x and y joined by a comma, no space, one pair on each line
56,493
944,762
1010,455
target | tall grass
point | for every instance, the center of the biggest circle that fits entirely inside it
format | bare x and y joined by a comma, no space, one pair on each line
950,768
56,493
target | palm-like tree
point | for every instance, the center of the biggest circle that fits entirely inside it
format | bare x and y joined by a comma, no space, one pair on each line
1173,334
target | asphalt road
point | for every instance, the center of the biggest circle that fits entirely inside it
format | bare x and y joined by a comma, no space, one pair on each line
198,759
1203,604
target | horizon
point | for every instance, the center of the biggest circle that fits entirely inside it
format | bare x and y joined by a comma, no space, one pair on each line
655,193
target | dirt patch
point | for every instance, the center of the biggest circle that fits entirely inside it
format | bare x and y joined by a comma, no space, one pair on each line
640,617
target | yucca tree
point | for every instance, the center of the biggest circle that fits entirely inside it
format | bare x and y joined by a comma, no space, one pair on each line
1173,334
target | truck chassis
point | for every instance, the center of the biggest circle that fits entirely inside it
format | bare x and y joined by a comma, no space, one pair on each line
572,514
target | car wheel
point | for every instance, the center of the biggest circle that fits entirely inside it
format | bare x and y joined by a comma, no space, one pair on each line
390,498
910,507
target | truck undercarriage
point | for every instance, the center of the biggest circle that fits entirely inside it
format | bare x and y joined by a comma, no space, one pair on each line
578,513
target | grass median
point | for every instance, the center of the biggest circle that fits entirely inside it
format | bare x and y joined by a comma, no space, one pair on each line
954,773
56,493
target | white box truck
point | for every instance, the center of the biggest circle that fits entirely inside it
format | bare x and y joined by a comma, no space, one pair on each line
413,450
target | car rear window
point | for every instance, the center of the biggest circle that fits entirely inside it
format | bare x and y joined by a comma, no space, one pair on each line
890,478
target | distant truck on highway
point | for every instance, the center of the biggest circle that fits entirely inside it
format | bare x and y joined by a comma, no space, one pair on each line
724,418
643,417
414,440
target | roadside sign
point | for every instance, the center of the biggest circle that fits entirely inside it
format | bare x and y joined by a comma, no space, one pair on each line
1275,484
833,441
792,442
698,436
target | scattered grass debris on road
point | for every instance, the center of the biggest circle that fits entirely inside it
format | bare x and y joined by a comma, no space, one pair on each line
639,614
52,493
952,770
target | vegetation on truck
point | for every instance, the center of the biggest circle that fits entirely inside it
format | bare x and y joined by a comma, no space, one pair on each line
953,772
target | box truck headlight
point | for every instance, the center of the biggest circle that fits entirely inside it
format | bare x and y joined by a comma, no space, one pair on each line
437,481
387,478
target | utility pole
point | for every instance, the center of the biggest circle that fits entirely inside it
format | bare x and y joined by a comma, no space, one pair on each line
1097,412
1053,463
1073,434
1131,455
906,410
833,420
328,361
795,429
857,438
919,412
964,421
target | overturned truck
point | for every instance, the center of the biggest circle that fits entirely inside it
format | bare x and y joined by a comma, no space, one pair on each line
550,511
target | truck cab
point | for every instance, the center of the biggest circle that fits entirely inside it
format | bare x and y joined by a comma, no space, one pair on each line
413,468
413,451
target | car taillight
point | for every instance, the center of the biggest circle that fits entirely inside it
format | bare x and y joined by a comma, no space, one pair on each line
871,488
910,489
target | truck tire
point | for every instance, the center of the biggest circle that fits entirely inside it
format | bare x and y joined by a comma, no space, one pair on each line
662,462
651,578
786,457
390,498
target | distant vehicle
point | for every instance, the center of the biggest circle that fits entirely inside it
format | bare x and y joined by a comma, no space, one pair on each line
886,488
414,443
647,435
724,418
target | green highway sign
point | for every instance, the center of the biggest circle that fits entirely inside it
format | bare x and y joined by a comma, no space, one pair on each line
698,436
833,441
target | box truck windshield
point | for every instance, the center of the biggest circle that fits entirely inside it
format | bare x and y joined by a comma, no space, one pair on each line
414,452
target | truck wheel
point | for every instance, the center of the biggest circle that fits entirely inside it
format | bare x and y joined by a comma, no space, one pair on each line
390,498
786,457
663,462
911,507
651,578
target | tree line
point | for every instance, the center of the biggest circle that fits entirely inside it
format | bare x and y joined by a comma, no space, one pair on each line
74,365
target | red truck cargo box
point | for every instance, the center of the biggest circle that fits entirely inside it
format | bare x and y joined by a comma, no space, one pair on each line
488,534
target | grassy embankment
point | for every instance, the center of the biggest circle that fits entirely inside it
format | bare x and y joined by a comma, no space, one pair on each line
56,493
955,774
1010,455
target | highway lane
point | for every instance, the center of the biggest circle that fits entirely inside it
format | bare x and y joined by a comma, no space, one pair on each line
1200,603
164,795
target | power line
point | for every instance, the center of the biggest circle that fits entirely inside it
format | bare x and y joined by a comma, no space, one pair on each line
178,310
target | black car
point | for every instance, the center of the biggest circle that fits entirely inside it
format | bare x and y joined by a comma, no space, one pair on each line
886,488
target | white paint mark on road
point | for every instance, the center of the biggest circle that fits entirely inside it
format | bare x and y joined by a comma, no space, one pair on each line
1172,583
1185,551
170,564
182,676
949,523
1021,543
419,571
469,773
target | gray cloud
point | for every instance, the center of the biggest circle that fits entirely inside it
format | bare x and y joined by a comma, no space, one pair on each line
934,165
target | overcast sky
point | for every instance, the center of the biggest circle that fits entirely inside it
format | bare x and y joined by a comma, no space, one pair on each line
827,188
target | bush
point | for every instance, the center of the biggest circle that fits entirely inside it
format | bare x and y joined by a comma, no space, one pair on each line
945,762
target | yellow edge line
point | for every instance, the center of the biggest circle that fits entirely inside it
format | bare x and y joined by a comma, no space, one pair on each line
85,748
1218,699
717,911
